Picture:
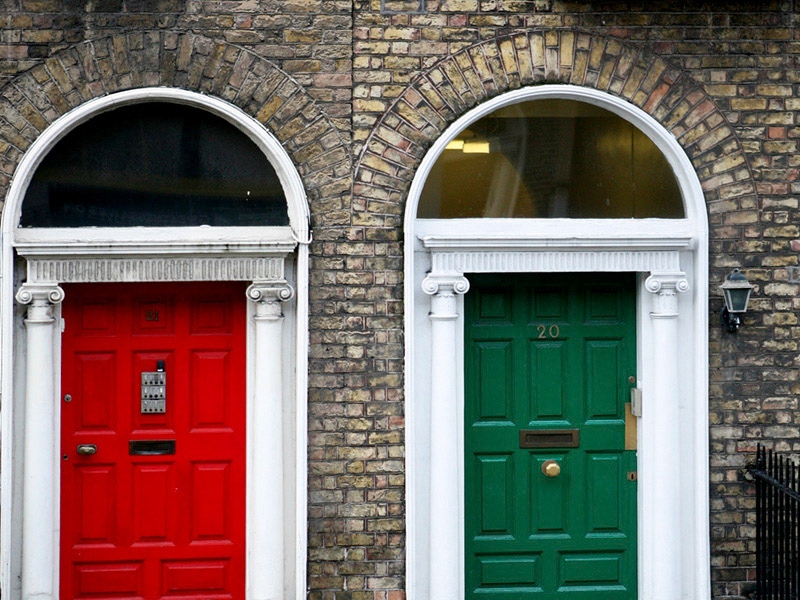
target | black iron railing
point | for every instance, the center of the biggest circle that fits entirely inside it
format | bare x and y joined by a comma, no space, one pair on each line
777,520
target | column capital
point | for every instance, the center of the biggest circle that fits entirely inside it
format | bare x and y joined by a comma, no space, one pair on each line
32,293
40,298
665,287
267,296
270,291
442,284
443,289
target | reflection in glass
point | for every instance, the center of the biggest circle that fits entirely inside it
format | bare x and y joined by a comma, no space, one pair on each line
157,165
549,159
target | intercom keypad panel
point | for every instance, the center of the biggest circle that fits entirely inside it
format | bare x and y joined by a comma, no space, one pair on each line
154,392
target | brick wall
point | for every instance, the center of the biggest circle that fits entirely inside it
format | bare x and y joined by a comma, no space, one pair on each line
357,91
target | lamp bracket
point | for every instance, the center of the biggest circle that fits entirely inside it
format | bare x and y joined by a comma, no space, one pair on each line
730,320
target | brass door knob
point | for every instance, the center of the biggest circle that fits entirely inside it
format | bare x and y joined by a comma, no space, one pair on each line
86,449
551,468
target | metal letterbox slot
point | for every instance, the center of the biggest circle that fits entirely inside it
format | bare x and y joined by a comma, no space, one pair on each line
151,447
549,438
154,392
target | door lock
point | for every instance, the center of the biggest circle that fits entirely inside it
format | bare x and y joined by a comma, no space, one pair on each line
86,449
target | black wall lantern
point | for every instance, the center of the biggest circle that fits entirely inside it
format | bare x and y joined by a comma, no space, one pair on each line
736,291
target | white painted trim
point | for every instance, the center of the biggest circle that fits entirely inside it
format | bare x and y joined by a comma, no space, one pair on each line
267,414
458,246
156,254
153,241
527,233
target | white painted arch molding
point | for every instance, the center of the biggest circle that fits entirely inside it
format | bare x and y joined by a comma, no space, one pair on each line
670,257
273,259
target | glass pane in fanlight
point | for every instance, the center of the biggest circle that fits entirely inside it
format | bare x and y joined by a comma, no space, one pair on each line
550,159
155,164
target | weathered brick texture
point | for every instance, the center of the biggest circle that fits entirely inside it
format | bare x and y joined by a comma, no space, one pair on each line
357,91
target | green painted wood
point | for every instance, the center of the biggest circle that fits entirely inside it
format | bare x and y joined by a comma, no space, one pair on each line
549,352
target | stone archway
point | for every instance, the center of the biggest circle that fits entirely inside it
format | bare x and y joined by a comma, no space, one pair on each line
397,147
35,99
188,69
397,143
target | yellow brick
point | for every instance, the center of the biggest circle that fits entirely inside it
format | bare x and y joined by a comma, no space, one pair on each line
567,48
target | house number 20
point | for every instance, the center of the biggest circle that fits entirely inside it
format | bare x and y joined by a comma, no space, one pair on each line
547,333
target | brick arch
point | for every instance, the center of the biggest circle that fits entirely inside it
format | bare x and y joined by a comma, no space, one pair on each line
33,100
398,142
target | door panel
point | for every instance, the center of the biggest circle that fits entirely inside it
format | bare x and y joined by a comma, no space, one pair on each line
138,524
549,353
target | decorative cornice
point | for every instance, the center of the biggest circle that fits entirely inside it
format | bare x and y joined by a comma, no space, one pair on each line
118,269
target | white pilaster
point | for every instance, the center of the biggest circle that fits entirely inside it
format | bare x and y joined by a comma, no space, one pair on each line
267,515
40,497
445,511
661,420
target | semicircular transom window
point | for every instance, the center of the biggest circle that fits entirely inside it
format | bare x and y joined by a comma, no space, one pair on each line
551,159
155,164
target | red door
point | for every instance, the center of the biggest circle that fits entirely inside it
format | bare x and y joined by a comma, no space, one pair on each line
153,503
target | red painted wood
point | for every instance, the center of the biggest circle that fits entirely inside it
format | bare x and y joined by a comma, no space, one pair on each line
166,526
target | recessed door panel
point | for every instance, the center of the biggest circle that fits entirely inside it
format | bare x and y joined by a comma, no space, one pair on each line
549,497
602,379
95,487
562,521
209,501
104,580
96,317
199,576
497,510
210,316
546,383
604,478
592,571
152,501
210,370
495,373
509,571
96,382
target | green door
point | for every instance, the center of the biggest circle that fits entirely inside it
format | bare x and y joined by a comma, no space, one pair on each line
549,362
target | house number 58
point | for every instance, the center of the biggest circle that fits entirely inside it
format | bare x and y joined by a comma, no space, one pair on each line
547,333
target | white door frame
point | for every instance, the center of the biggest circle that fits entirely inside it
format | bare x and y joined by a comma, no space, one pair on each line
670,257
274,260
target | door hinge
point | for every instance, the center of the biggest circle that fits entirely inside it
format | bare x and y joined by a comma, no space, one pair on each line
63,325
